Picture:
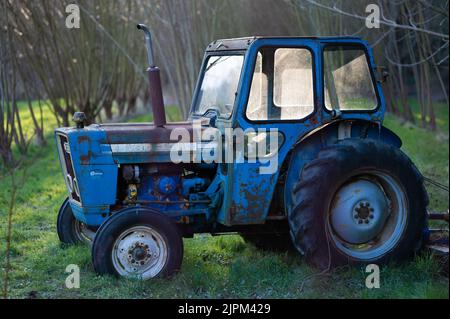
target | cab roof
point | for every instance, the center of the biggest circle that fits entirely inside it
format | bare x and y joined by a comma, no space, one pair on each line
236,44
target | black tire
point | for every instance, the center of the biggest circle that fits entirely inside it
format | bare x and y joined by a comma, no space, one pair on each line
70,230
277,242
321,178
127,219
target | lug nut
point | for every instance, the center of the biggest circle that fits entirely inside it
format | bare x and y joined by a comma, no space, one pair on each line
371,216
366,221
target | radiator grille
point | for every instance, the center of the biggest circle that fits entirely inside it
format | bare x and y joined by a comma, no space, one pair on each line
69,174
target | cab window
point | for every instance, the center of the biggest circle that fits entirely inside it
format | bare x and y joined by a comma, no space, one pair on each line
347,79
282,85
219,86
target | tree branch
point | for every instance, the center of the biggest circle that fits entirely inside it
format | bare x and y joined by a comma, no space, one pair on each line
382,21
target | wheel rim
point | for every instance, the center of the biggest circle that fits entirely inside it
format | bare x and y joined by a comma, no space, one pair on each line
83,233
368,215
139,252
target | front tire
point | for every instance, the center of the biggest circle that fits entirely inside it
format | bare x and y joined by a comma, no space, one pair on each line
138,243
70,230
360,201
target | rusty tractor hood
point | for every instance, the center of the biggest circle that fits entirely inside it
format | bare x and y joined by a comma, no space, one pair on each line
100,144
141,132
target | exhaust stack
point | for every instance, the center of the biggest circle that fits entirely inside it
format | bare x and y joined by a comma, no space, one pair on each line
156,96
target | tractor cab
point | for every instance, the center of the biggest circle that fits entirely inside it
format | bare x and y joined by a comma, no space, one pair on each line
291,87
277,80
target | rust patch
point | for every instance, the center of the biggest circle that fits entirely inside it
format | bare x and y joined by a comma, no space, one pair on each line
83,138
314,120
85,158
233,212
249,214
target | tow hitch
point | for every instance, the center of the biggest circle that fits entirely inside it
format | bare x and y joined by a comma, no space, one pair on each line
438,238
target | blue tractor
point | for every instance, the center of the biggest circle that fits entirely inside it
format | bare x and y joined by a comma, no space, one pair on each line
336,187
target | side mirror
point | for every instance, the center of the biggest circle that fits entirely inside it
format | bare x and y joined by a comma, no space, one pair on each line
381,74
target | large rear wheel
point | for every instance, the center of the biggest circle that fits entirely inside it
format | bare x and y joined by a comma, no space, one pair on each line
359,201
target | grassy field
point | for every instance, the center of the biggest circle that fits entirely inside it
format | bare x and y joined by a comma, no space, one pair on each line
219,267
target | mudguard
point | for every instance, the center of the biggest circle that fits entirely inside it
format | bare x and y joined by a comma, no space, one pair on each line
309,146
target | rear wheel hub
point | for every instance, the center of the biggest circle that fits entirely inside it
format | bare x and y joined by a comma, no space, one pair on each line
359,211
368,215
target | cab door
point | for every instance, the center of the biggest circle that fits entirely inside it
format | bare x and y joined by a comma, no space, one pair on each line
277,101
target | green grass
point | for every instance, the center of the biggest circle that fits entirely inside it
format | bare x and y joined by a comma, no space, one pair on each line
217,267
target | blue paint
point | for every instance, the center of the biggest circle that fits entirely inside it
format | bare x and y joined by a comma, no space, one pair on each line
90,215
161,189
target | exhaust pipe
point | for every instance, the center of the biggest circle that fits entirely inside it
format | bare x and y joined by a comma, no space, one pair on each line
156,96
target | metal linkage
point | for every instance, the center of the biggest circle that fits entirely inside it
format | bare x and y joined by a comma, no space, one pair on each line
436,184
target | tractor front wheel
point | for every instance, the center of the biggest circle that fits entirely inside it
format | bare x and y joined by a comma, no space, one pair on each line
360,201
70,230
138,243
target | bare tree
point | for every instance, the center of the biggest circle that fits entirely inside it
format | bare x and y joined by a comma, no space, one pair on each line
10,124
98,68
77,68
